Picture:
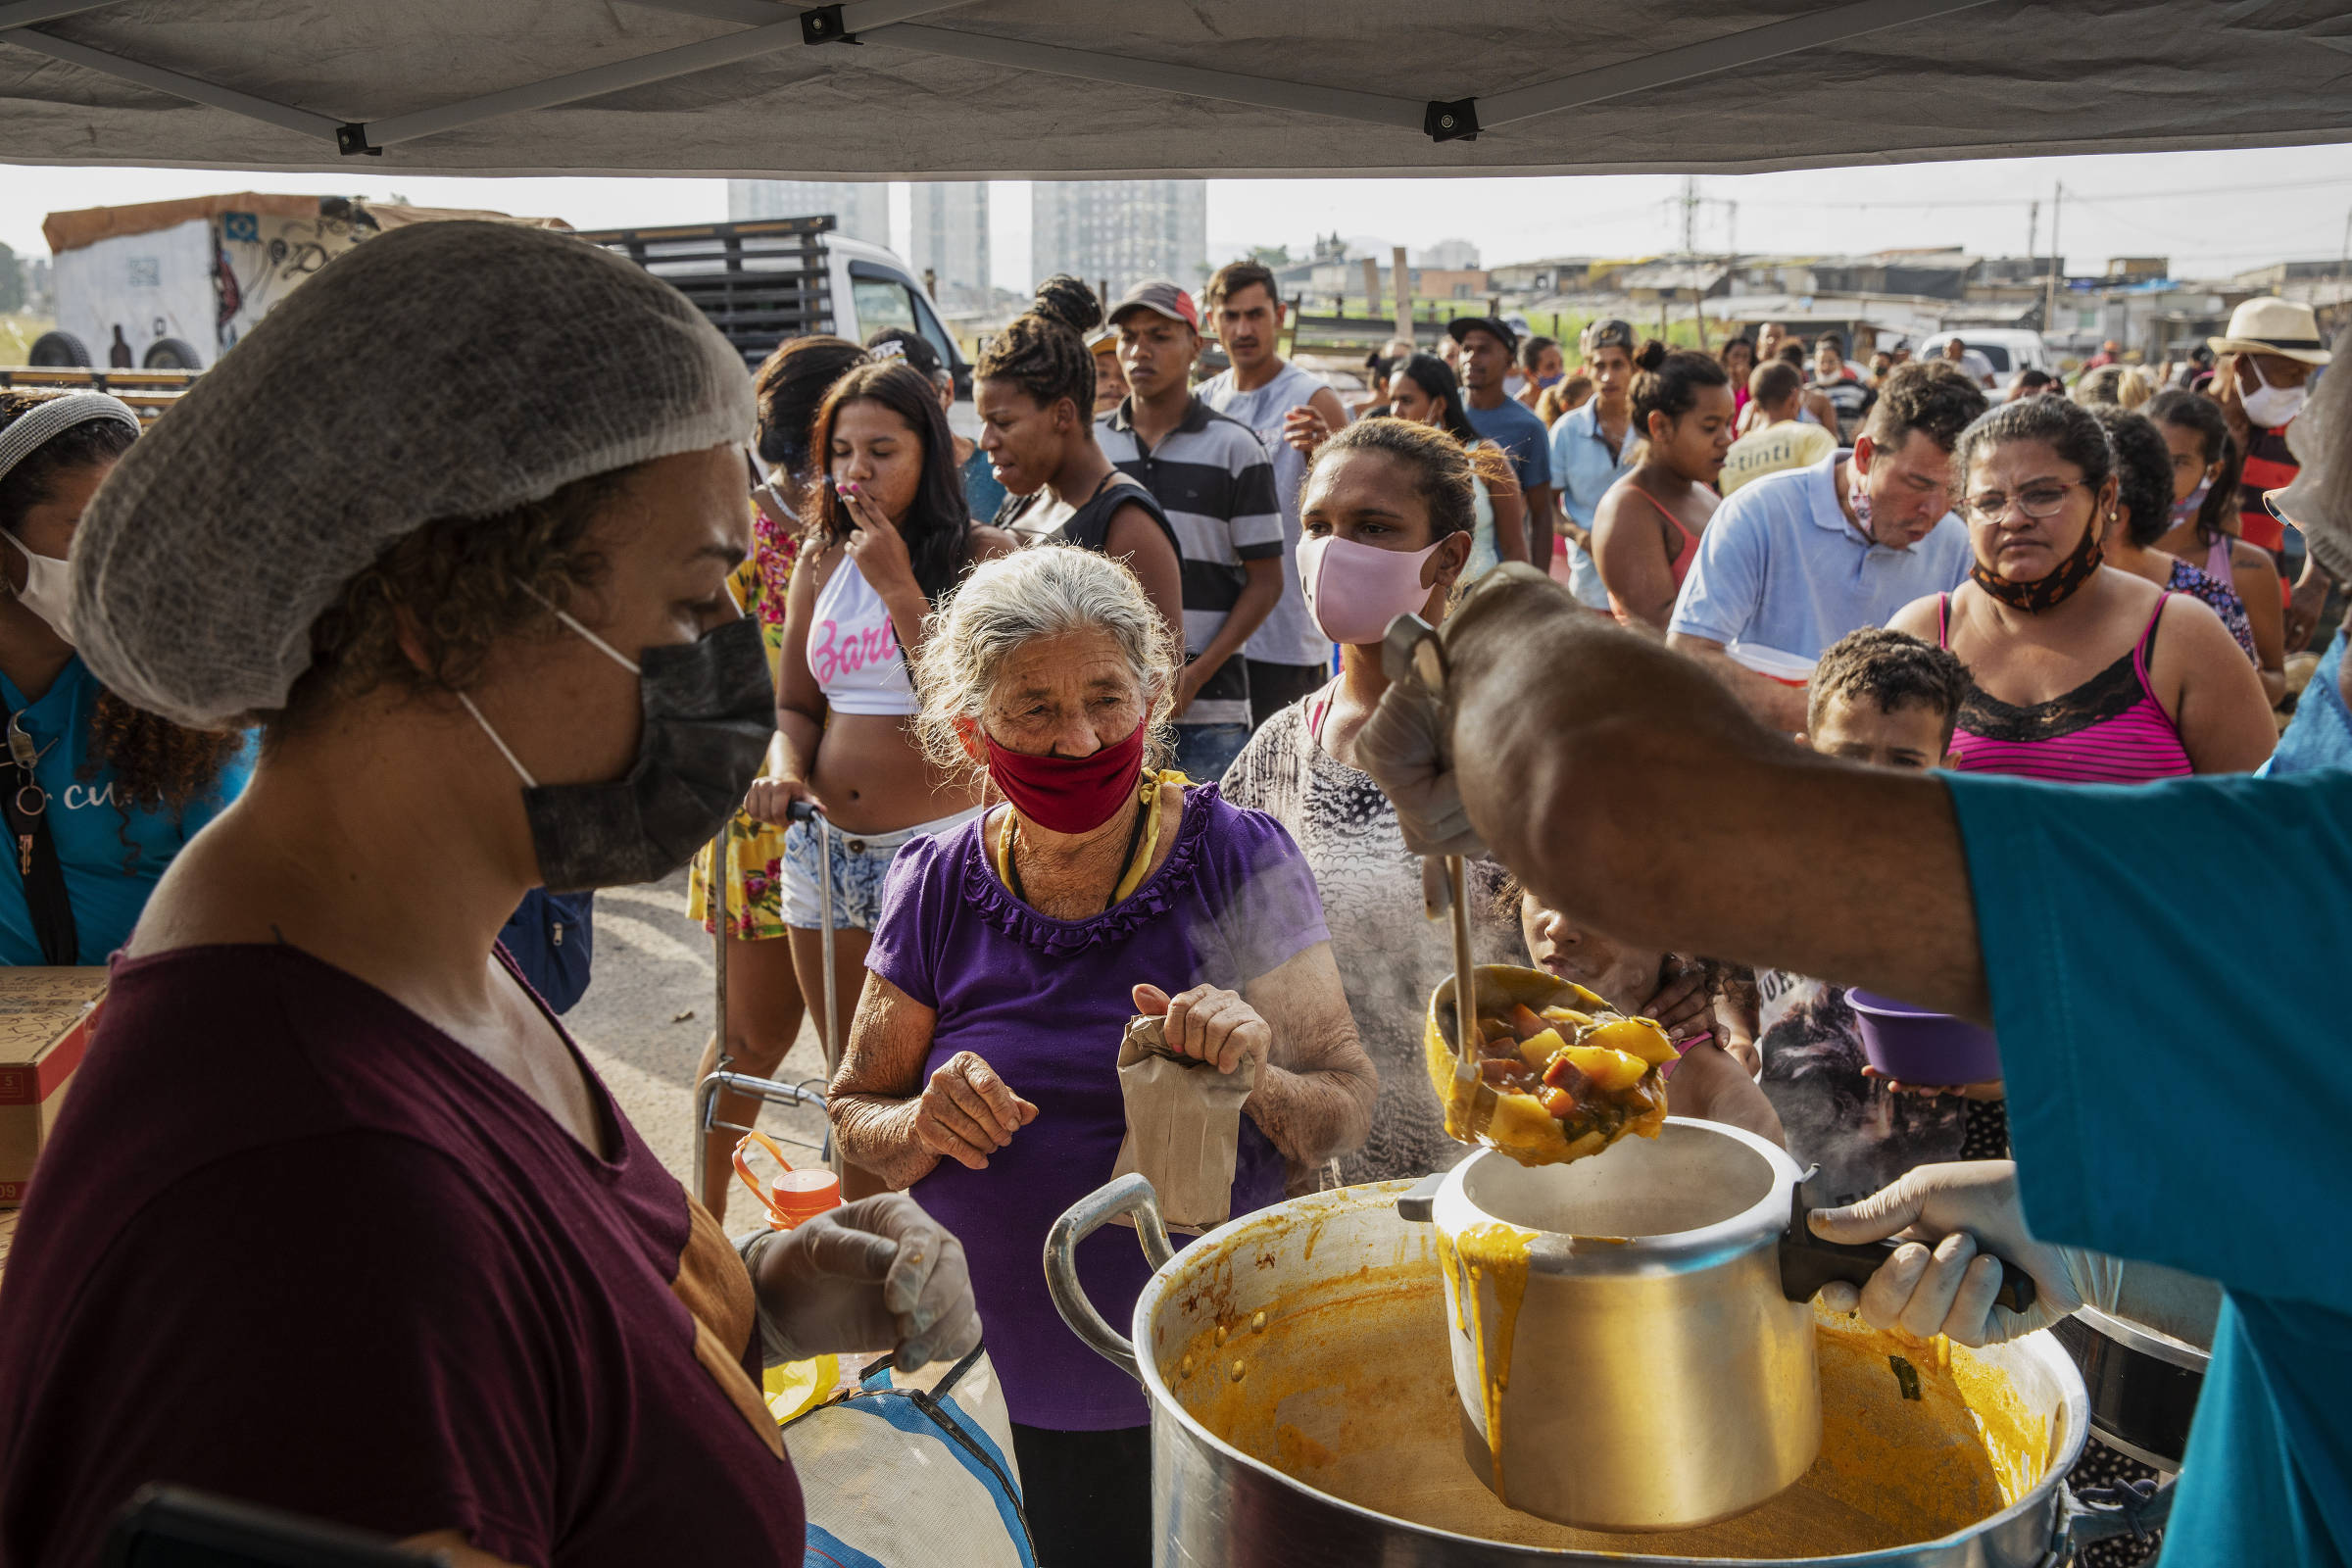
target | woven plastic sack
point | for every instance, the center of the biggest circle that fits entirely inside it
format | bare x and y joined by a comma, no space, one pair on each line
913,1470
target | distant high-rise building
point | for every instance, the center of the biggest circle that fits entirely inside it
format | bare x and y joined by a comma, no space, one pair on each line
860,209
949,239
1120,231
1448,256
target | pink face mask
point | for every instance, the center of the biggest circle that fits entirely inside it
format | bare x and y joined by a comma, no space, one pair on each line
1354,591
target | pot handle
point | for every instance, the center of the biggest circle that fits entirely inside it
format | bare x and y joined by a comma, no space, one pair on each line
1132,1195
1807,1262
1418,1204
2133,1509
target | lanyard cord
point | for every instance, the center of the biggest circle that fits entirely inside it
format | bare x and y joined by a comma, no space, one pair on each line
1135,840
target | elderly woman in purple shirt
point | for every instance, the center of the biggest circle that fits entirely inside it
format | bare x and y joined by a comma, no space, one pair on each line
982,1067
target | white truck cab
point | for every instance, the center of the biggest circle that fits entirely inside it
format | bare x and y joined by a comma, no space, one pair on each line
763,281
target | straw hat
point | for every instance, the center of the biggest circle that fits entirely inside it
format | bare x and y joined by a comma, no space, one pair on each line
2268,326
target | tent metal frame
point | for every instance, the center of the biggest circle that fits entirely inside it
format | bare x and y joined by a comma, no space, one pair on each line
891,23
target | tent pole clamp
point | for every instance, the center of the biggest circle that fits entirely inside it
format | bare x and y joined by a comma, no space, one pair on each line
1450,122
825,25
351,140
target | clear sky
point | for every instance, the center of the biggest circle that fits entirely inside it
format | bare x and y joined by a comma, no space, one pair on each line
2212,213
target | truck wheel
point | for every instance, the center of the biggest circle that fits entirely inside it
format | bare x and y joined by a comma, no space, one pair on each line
172,354
59,351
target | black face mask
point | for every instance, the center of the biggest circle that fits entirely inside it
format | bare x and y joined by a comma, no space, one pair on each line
709,709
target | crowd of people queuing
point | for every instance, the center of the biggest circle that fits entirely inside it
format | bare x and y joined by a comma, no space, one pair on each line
1084,707
1886,563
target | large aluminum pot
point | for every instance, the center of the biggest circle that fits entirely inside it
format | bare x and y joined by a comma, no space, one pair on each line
1303,1413
1625,1356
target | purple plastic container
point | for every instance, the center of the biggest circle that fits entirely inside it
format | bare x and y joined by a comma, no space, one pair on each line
1919,1046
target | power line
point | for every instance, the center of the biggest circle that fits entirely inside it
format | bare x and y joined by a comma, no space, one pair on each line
1933,204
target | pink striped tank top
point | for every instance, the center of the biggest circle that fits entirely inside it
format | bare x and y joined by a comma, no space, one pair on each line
2109,730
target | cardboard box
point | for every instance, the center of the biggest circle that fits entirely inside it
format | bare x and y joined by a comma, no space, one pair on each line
45,1021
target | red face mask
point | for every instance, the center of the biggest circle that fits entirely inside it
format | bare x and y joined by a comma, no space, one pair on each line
1068,793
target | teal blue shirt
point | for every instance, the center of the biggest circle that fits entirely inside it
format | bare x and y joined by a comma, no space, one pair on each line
982,494
111,858
2164,964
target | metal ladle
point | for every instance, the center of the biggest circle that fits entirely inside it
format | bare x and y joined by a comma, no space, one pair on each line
1411,650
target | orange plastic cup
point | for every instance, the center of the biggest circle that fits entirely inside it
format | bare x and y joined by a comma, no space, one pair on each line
794,1197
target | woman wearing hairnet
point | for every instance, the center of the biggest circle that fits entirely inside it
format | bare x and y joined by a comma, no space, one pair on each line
2189,1112
337,1220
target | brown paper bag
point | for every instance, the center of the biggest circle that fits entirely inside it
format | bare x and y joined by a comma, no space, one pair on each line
1184,1121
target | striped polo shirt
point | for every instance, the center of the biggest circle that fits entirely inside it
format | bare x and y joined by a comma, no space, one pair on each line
2270,465
1212,478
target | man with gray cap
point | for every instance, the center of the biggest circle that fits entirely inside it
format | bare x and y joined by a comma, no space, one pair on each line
454,523
1215,483
1592,449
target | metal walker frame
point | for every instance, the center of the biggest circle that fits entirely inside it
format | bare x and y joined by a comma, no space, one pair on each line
768,1091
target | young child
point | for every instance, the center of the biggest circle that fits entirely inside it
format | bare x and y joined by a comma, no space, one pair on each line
1887,700
1710,1081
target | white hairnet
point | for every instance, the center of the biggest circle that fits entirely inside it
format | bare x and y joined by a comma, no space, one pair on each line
2320,501
454,370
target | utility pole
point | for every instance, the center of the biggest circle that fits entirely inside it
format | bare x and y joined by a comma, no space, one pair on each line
2033,227
2049,305
1699,310
1401,288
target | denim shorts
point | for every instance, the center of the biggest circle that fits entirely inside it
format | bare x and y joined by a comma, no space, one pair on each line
860,861
1204,751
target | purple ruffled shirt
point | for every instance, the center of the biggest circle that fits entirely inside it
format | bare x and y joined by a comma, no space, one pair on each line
1043,1003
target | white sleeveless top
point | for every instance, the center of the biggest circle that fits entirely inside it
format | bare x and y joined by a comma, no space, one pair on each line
853,652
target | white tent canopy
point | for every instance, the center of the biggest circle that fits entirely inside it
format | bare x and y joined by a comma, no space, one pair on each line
1084,88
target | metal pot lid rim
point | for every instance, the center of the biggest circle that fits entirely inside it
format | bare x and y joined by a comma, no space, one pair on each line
1569,1253
2146,1339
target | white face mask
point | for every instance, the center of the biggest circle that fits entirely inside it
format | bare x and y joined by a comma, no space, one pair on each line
2268,406
48,590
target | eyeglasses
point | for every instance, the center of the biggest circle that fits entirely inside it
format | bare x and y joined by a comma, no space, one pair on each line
2041,500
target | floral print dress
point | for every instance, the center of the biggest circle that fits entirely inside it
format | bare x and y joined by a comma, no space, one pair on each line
754,849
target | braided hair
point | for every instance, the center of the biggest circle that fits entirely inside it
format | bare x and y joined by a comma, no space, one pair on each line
157,764
1044,352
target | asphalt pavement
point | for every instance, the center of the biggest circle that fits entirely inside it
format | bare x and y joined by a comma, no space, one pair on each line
647,1015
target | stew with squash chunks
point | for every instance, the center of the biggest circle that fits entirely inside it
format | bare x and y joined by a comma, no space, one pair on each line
1560,1074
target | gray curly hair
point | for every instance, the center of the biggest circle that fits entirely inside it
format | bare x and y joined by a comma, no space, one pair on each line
1045,591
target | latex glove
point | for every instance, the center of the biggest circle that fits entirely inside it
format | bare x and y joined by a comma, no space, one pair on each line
1939,1284
2166,1299
875,1274
1403,747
